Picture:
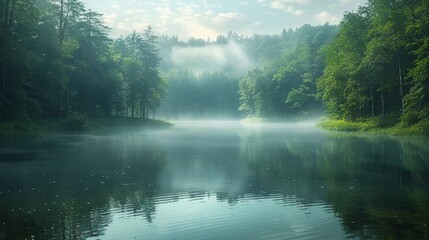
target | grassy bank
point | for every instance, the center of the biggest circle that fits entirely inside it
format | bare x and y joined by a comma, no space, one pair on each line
28,128
376,126
128,122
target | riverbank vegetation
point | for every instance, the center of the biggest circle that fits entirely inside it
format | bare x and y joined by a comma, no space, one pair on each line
377,67
376,126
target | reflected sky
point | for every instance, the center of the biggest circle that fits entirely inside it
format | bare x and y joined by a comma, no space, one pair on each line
211,180
208,218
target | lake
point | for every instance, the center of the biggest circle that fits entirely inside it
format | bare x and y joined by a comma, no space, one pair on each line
215,180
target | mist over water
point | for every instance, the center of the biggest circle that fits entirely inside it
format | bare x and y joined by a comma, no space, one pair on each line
230,57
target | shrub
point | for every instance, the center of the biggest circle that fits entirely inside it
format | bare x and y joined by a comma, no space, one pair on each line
389,120
76,123
410,118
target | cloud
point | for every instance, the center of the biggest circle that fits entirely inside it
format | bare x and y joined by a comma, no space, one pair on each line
111,18
326,17
202,19
284,5
345,2
212,58
115,5
276,2
294,11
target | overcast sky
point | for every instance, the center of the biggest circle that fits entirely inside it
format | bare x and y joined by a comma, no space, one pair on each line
208,19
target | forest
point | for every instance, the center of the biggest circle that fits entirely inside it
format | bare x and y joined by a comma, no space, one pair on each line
58,61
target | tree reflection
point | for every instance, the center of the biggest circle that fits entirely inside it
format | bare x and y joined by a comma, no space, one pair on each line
75,198
376,184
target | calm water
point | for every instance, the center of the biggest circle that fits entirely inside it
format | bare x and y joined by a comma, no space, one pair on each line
215,180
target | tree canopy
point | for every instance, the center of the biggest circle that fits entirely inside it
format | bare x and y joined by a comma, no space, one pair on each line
57,59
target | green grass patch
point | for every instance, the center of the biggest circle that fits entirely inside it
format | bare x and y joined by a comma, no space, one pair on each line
346,126
376,126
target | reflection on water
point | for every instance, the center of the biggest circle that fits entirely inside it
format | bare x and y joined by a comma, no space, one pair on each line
211,180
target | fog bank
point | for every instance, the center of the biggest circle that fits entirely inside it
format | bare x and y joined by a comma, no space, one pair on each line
230,58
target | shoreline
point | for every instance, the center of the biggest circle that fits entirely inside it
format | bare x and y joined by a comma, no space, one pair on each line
373,127
36,129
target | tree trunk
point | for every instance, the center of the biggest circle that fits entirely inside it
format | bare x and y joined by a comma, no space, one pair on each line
372,98
382,99
132,106
9,8
400,84
61,21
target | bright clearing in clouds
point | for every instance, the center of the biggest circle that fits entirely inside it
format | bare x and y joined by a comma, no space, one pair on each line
208,19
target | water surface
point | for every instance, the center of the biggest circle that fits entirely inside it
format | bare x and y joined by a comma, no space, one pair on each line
215,180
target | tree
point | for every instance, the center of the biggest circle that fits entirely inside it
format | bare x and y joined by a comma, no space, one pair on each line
94,47
70,11
286,85
417,100
9,8
154,85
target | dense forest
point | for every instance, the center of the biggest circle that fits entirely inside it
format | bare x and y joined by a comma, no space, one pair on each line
378,64
58,61
375,65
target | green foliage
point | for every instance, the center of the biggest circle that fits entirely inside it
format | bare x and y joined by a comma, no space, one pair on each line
57,59
410,118
145,88
376,126
23,128
421,127
76,123
286,85
377,66
347,126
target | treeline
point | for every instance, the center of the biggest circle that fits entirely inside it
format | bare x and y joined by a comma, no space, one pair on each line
57,60
374,65
378,64
284,83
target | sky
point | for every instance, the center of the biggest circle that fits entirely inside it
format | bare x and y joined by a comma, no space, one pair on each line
209,19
